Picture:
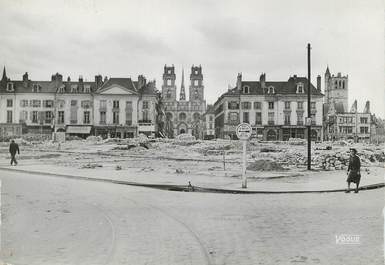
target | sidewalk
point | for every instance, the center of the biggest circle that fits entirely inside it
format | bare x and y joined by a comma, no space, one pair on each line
298,180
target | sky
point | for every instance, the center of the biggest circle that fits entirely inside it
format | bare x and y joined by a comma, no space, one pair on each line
128,38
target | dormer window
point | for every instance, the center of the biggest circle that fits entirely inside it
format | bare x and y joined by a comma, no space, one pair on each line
87,89
61,89
300,89
246,90
74,89
271,90
10,86
35,88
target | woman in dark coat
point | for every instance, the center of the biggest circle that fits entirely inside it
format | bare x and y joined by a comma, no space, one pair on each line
354,174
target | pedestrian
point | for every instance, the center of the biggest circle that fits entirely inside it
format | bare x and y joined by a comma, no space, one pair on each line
354,174
13,148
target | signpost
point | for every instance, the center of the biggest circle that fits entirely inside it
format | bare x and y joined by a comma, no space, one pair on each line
244,132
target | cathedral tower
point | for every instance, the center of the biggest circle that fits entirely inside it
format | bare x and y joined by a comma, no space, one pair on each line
169,87
196,90
336,89
182,89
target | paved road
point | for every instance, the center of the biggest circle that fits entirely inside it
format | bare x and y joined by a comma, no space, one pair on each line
48,220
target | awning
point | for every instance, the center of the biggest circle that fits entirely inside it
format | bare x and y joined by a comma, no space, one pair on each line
78,129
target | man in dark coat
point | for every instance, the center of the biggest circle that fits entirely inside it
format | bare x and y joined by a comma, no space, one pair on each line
354,174
13,148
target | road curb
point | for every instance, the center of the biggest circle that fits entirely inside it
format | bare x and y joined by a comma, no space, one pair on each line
187,188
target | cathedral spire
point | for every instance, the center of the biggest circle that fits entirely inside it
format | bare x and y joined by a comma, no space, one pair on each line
182,89
327,71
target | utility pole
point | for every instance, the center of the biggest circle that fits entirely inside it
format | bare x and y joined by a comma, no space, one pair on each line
308,109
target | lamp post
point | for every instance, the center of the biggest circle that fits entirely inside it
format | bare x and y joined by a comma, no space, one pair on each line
308,109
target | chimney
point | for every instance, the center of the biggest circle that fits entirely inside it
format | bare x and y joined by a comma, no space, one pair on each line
80,79
68,79
141,81
57,77
319,83
262,80
239,81
105,79
98,81
25,79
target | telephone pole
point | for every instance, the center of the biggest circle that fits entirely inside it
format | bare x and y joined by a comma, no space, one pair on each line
308,109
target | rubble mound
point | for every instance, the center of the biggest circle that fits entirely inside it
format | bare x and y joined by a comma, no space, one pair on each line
264,165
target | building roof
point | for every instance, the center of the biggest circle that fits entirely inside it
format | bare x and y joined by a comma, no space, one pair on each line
124,82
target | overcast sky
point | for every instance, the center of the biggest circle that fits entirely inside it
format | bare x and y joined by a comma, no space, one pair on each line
127,38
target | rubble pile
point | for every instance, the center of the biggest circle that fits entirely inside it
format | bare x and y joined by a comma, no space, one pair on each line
264,165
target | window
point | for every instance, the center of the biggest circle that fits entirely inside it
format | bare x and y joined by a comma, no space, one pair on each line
246,89
9,116
233,117
168,82
233,105
35,88
196,95
364,129
196,82
48,103
86,117
87,89
145,115
363,120
299,105
74,103
270,118
9,103
271,90
74,88
257,105
60,119
35,103
312,105
246,117
271,105
346,129
210,126
48,117
74,116
9,86
128,106
102,117
287,105
61,89
145,104
115,117
313,120
211,118
34,116
103,104
287,119
258,118
300,89
128,118
246,105
24,103
299,119
86,104
182,116
115,104
168,94
61,103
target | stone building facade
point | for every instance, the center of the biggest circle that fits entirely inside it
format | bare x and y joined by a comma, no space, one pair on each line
276,110
116,107
183,115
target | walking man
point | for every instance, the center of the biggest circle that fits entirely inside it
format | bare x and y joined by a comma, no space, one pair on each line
13,148
354,174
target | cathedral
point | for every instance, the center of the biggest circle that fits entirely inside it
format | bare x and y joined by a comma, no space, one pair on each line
183,115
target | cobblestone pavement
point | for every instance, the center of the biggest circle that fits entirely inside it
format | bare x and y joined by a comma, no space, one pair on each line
61,221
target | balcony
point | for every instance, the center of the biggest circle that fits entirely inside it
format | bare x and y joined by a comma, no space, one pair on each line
300,123
74,121
270,122
145,122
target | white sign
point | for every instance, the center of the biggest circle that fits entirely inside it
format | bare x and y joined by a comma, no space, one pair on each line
244,131
308,121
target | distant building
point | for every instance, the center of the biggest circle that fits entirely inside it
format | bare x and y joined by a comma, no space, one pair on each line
277,110
183,115
116,107
209,123
341,123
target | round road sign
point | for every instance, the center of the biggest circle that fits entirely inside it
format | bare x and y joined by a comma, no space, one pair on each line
243,131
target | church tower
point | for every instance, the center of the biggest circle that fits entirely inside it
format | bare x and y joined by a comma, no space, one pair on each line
336,89
196,90
169,87
182,89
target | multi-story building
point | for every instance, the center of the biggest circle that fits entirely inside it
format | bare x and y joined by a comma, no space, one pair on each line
339,121
183,115
277,110
117,107
209,123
